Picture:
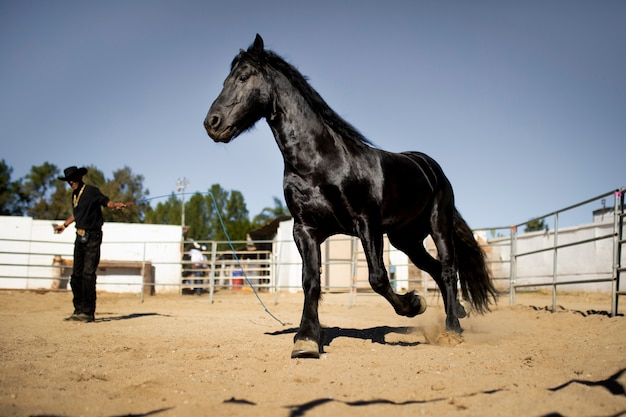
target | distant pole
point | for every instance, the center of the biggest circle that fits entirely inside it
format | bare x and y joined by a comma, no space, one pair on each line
180,187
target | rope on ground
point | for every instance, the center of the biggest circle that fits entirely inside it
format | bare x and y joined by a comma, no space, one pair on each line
232,248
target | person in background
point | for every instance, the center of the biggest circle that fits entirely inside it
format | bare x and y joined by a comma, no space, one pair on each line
198,264
87,203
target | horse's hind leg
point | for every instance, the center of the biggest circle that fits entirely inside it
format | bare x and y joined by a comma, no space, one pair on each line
412,245
409,304
442,234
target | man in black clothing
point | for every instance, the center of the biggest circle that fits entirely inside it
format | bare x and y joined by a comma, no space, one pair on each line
87,203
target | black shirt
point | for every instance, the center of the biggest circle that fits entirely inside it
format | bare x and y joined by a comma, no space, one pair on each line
88,207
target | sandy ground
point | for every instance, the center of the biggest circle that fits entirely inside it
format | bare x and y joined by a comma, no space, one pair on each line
176,355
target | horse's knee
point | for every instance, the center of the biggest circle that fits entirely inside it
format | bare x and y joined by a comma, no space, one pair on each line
311,285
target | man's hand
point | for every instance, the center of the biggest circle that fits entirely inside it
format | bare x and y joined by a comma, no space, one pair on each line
118,206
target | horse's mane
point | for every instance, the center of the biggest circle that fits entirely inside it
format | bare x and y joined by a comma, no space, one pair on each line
264,58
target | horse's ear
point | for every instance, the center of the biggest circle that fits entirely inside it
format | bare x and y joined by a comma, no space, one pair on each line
258,43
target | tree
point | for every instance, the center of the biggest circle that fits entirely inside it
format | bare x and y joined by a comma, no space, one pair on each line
41,195
125,187
8,191
35,190
232,210
270,213
59,204
536,225
197,217
235,217
201,217
167,212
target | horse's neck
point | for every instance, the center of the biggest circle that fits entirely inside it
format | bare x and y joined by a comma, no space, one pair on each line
300,133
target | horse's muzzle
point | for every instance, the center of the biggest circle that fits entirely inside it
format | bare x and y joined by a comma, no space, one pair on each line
212,125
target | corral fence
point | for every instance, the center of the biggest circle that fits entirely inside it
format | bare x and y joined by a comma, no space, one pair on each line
519,260
557,247
580,258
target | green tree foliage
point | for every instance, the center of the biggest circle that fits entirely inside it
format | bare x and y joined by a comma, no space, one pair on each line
36,189
41,195
167,212
232,210
59,205
125,187
270,213
235,217
9,196
201,218
536,225
197,217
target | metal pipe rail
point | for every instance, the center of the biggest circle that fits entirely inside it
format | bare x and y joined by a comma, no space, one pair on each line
616,235
265,263
566,245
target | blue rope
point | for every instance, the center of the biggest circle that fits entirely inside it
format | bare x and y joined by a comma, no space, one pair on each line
232,248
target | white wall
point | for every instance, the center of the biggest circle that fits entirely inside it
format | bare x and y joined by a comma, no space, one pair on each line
28,247
591,260
289,270
289,262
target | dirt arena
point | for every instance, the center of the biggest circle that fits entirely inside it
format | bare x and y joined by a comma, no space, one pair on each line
182,356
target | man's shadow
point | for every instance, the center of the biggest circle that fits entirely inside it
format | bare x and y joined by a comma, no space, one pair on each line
128,317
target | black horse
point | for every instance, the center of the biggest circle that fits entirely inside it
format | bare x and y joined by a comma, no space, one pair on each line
335,182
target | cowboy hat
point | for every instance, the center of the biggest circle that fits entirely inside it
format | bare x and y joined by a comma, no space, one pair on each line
72,173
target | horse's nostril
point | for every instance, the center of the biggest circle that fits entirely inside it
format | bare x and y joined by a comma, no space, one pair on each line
212,122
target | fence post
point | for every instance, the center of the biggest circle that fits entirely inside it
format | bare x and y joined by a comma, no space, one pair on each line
353,270
274,258
618,225
212,273
143,272
555,259
513,267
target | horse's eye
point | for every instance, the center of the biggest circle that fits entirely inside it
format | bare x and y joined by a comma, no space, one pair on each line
243,78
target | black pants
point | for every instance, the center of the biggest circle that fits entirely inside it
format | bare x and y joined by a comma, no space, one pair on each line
83,279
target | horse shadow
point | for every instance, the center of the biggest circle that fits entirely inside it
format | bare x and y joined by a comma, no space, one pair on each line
128,317
373,334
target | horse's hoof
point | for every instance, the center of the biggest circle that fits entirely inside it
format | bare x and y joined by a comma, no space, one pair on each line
305,348
462,309
411,305
423,304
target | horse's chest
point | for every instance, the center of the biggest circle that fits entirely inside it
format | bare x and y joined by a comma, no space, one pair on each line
324,202
318,199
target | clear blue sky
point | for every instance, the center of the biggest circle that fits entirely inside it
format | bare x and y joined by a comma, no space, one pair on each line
522,103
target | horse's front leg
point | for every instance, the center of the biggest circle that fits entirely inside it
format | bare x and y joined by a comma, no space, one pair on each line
409,304
308,339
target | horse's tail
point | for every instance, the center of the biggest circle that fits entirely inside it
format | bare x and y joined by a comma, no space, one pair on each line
476,285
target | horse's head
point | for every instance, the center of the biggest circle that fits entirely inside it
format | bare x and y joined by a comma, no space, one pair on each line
244,99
